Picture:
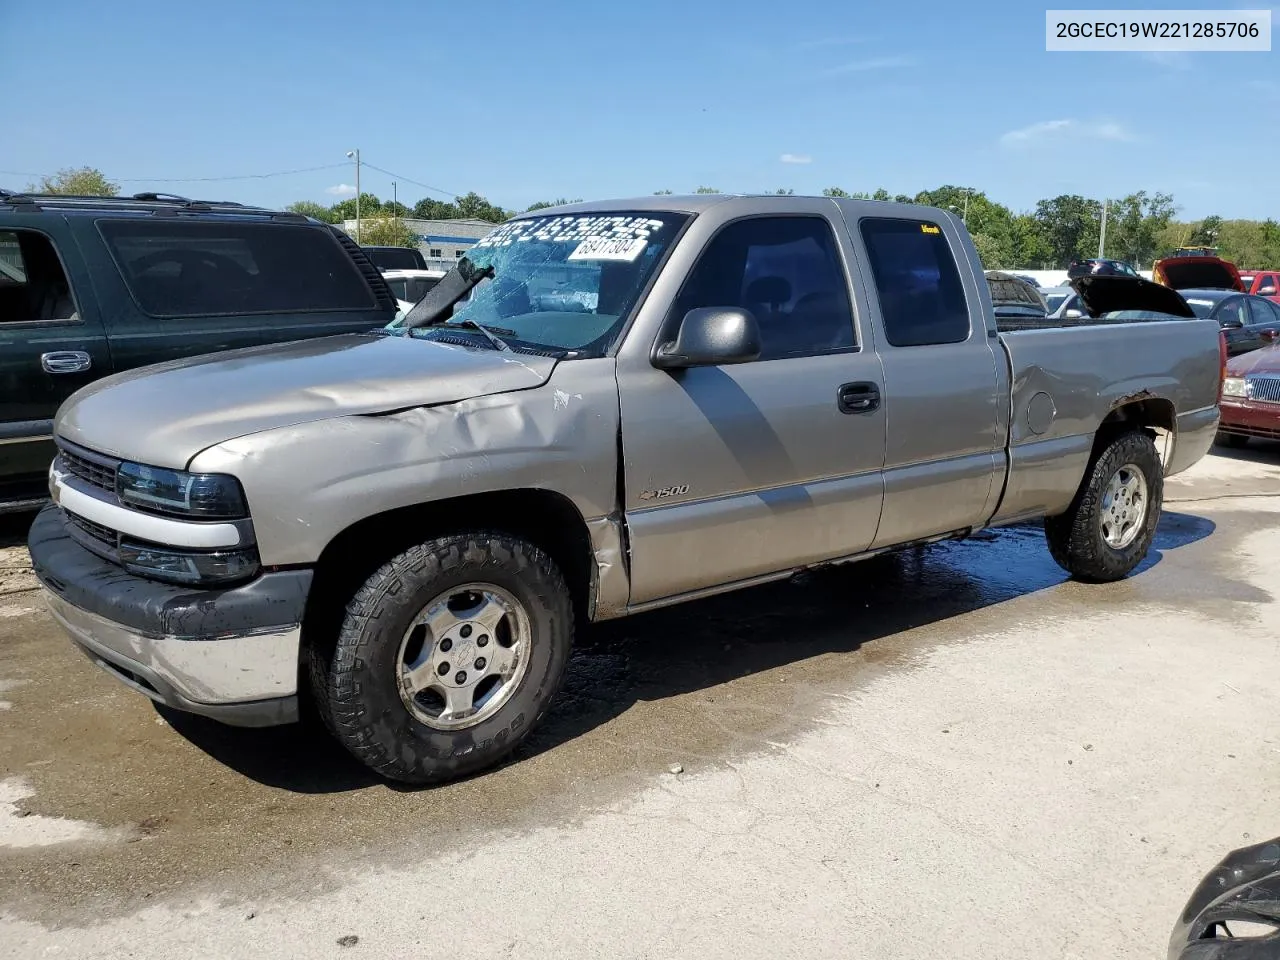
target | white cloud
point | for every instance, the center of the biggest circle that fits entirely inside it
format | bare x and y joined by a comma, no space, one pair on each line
874,63
796,158
1057,130
341,190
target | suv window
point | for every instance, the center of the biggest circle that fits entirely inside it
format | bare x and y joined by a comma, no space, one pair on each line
33,285
787,272
921,296
203,268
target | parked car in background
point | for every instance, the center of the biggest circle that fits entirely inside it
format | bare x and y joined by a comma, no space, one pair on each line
410,286
412,524
396,258
1262,283
1064,303
1250,404
1197,273
92,286
1013,296
1100,267
1248,322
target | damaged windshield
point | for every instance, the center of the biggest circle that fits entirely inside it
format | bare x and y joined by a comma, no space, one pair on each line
562,283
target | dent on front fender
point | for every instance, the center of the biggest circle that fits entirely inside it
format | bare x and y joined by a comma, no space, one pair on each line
309,482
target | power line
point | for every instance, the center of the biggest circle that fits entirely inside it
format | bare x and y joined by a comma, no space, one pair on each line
416,183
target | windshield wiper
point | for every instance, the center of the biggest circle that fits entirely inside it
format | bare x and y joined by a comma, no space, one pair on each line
441,298
497,341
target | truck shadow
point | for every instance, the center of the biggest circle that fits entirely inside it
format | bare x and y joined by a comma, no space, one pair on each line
700,645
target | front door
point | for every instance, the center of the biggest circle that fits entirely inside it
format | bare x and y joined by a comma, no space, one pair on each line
739,471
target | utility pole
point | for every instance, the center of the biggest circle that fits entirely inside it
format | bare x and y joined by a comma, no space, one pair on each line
356,155
395,204
1102,236
965,216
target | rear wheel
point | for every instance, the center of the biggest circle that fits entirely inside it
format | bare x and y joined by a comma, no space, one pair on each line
448,656
1111,523
1233,440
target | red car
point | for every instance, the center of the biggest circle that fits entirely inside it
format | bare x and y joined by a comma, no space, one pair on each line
1183,272
1262,283
1250,402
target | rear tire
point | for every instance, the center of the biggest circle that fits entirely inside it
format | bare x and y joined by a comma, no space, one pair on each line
1111,523
1233,440
447,657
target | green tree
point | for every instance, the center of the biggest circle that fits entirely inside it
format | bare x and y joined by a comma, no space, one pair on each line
881,194
476,207
662,193
1069,225
77,181
394,208
783,192
544,204
1135,225
428,209
1207,231
309,208
706,190
834,192
382,231
370,206
1031,246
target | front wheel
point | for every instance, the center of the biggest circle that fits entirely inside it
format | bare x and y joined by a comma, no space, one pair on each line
448,656
1111,523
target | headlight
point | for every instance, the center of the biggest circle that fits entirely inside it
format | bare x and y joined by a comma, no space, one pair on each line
184,566
1235,387
206,495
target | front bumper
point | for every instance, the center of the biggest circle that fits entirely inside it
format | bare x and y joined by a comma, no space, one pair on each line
231,654
1250,418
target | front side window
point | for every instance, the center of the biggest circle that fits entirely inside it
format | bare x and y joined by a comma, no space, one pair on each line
205,268
565,283
921,298
1263,311
1233,312
786,271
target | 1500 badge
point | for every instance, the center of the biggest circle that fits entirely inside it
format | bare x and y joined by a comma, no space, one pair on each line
665,492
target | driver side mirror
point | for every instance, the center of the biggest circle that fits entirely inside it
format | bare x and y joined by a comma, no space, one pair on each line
710,336
1072,314
1267,291
1232,324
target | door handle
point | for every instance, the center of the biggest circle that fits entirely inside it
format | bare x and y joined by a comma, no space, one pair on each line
66,361
860,397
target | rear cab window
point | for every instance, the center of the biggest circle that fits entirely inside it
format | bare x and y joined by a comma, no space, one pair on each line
34,287
918,284
174,268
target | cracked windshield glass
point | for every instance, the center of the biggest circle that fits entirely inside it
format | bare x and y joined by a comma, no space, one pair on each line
564,283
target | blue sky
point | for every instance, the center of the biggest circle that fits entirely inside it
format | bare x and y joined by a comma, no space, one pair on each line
533,101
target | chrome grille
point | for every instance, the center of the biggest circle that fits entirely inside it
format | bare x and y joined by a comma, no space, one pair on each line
93,469
1266,389
94,537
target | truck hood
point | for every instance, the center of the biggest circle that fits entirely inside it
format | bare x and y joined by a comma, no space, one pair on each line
1197,273
165,414
1102,294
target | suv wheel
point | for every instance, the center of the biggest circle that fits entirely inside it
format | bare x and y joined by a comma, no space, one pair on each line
448,656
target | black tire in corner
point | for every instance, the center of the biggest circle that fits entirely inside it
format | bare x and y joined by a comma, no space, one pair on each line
360,686
1233,440
1076,538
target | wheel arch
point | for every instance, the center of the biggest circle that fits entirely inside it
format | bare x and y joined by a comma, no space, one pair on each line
545,518
1156,415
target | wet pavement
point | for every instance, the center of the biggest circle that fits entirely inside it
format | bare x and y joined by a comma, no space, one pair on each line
957,676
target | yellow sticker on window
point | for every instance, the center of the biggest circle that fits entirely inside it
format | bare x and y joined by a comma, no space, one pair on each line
929,228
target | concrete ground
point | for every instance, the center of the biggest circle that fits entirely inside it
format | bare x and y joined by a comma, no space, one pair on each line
952,753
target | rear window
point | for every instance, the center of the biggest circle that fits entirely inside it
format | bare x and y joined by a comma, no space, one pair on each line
921,297
1201,308
396,258
201,268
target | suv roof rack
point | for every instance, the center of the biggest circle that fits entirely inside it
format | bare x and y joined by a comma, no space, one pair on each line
153,202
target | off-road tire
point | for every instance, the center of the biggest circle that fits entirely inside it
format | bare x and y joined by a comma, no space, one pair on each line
1233,440
1075,537
357,689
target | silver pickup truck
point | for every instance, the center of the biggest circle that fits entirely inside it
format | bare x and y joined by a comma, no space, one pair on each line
605,408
